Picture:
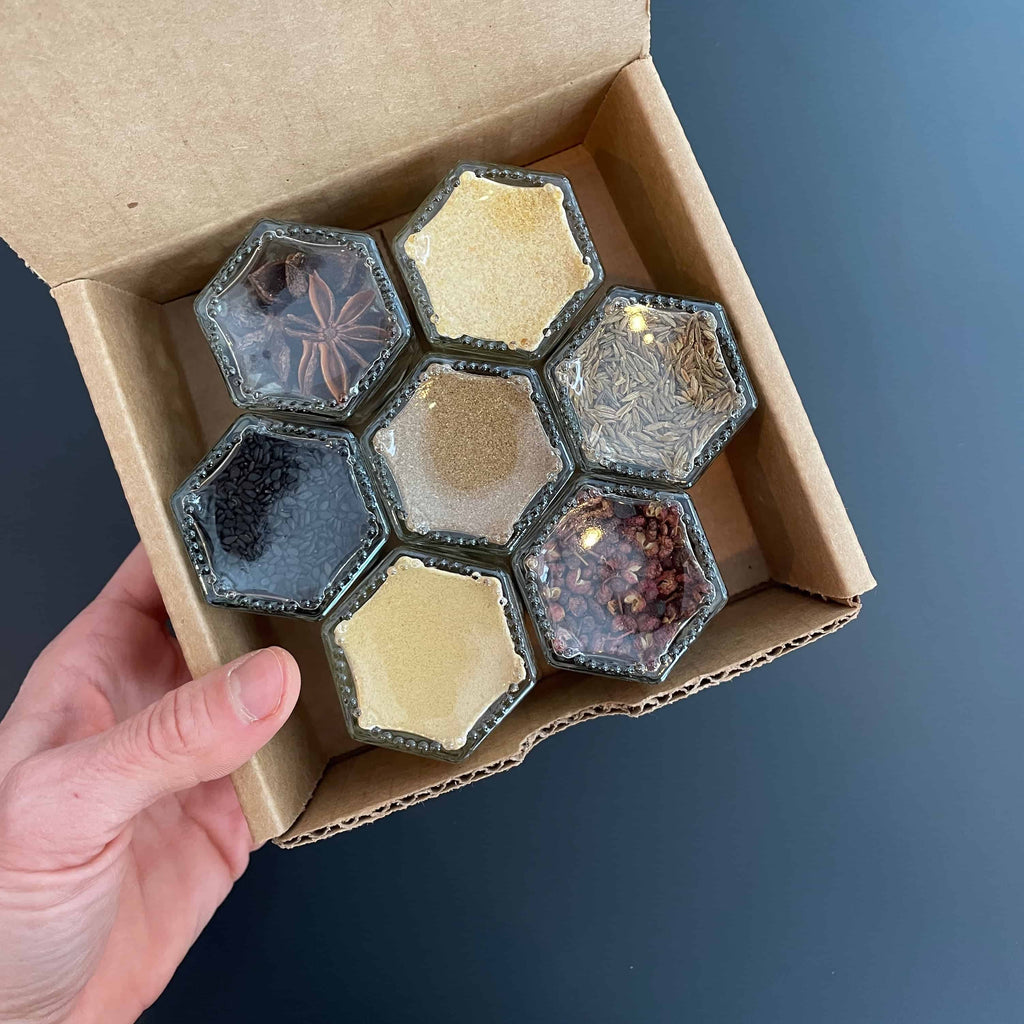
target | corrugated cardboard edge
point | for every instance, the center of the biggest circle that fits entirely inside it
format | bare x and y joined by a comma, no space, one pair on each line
632,709
293,767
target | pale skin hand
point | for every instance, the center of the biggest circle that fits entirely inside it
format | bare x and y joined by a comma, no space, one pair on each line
119,831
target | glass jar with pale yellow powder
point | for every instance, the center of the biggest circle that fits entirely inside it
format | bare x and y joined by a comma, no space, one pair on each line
429,654
498,258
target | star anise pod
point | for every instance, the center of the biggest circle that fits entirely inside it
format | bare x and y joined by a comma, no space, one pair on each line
330,338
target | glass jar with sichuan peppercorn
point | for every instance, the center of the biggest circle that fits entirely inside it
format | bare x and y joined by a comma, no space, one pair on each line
619,580
303,319
279,517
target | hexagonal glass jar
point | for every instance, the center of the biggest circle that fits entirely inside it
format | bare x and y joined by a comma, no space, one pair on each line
279,518
619,579
498,258
303,319
429,654
651,386
467,453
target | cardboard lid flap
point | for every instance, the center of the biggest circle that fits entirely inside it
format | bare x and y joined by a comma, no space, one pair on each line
126,123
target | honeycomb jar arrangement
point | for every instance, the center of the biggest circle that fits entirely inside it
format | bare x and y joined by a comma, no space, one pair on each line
518,459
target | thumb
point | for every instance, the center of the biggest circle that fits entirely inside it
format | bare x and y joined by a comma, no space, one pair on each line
200,731
197,732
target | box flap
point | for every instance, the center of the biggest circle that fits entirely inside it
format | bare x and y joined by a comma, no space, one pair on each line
126,123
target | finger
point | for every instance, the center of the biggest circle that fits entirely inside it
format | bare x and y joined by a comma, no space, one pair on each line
133,586
197,732
115,658
81,795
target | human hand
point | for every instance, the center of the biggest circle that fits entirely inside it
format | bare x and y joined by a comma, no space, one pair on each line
119,831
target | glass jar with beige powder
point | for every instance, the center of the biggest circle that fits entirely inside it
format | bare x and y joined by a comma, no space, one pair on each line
468,453
429,655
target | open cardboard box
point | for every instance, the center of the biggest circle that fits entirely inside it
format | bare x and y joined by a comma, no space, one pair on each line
140,145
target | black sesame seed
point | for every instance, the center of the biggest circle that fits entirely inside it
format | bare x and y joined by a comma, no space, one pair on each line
281,517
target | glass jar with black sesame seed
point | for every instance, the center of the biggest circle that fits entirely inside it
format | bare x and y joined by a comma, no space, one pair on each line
279,518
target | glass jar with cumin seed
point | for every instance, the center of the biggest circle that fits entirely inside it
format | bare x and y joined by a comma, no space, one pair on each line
429,654
303,319
279,518
498,258
467,453
651,386
619,579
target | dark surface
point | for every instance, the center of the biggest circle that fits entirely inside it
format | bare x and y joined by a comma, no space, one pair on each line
837,837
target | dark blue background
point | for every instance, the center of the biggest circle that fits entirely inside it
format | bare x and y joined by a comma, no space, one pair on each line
837,837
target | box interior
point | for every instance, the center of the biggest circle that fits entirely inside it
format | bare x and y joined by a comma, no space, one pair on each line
137,142
778,529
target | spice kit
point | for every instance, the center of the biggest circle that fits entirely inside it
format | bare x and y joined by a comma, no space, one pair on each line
429,653
125,237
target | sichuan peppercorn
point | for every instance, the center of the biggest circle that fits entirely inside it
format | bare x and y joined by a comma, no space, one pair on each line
621,580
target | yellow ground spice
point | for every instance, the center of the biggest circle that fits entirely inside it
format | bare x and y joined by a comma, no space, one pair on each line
430,652
499,261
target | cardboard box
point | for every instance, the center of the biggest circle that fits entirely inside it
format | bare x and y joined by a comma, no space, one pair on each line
140,142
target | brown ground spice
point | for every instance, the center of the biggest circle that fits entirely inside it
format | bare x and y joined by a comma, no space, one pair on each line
468,452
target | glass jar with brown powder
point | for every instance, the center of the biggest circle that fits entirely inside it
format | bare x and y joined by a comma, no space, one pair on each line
468,453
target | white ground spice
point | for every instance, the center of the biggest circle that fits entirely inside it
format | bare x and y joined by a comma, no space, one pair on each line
499,261
430,652
468,453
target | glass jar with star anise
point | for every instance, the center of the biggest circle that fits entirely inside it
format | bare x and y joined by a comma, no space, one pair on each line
303,319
